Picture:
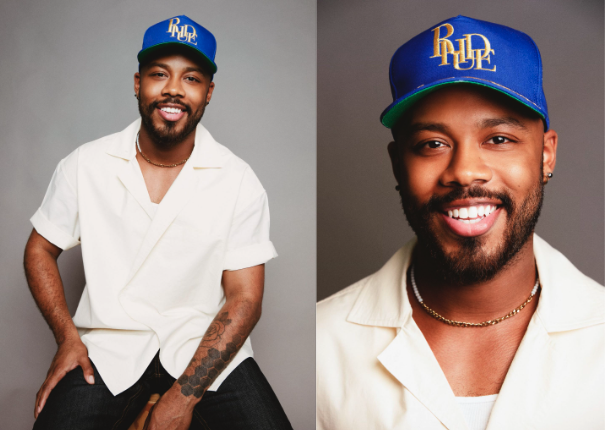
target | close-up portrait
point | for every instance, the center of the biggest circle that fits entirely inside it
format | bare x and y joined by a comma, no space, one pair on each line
460,215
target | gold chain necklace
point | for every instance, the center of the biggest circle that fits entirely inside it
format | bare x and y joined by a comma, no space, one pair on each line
467,324
158,164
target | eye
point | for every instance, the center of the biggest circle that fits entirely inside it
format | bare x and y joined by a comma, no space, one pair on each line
434,144
192,79
430,147
498,140
159,74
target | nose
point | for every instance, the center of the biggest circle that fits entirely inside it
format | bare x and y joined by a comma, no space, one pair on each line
173,87
466,167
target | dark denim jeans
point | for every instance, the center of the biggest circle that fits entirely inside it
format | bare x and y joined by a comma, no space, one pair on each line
244,400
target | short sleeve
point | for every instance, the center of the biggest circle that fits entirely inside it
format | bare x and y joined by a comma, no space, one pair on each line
248,244
57,218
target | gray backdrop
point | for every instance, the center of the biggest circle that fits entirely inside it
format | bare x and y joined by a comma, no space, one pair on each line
360,221
66,78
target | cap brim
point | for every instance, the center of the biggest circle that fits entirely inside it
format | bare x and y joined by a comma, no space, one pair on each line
145,54
395,110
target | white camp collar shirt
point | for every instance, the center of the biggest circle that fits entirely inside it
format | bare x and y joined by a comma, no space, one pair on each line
376,371
153,274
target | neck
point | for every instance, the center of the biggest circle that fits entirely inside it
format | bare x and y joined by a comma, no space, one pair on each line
165,154
486,300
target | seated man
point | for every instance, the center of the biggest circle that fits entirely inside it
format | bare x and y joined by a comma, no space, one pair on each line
175,233
477,322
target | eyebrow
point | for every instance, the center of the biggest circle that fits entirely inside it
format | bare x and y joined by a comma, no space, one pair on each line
194,69
165,66
427,126
156,64
417,127
494,122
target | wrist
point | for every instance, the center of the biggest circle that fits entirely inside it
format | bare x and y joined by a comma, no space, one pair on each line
183,396
68,337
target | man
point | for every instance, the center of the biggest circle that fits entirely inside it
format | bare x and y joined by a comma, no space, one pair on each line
165,216
477,323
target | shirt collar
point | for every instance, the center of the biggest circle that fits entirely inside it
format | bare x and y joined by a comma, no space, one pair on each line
383,300
207,153
568,300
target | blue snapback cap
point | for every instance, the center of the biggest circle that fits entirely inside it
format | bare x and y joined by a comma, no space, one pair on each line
466,50
183,31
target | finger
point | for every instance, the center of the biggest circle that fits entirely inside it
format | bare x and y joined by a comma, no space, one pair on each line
36,403
37,407
89,373
38,396
42,399
148,420
47,387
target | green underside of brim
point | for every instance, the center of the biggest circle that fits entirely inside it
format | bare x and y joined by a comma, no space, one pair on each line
391,118
149,52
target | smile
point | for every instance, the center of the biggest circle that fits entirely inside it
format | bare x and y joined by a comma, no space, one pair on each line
171,110
171,113
471,214
470,221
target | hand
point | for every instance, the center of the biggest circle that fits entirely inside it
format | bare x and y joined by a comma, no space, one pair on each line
70,354
172,412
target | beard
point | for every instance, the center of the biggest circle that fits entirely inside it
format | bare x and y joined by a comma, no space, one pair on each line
472,263
167,136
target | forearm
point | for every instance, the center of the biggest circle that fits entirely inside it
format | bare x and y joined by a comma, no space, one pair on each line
223,339
44,280
227,333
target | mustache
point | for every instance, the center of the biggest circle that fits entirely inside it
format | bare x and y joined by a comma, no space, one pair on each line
170,100
436,202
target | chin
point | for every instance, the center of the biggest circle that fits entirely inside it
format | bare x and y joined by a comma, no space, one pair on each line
167,133
473,259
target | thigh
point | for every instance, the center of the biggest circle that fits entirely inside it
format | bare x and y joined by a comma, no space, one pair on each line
75,404
245,400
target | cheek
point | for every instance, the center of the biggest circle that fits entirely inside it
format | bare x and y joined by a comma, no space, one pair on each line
196,98
520,175
515,176
150,91
420,179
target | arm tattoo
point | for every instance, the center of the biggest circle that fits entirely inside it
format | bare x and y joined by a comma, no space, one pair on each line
216,359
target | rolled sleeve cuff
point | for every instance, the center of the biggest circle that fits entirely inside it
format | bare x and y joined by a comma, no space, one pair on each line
249,256
52,233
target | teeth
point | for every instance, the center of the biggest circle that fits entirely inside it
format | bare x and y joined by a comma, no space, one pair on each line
471,214
171,110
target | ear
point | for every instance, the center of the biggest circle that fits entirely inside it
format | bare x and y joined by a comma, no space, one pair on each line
549,151
395,160
210,91
137,83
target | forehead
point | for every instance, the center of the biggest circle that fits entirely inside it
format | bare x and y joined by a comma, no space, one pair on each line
175,58
466,105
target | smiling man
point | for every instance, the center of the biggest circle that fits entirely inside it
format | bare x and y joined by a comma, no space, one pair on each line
477,323
174,231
